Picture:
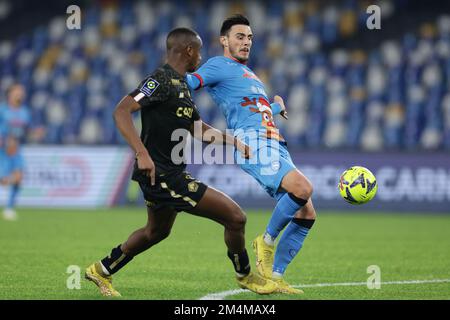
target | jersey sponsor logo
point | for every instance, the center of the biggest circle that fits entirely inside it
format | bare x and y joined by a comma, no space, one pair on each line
149,87
262,106
250,75
184,111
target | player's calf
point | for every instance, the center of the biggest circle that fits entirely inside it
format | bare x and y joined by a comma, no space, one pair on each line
307,212
292,241
234,234
219,207
298,193
143,239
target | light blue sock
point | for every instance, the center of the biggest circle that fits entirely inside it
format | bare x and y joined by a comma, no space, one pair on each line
284,211
13,192
290,244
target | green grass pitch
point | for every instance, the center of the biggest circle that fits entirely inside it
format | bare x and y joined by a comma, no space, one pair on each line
37,249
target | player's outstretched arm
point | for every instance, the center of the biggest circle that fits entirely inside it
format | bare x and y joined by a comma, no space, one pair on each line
124,122
14,178
280,101
204,132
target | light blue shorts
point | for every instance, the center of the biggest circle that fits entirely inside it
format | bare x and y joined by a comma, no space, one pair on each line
272,164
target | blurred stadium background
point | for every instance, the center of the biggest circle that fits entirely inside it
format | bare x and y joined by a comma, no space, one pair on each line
377,98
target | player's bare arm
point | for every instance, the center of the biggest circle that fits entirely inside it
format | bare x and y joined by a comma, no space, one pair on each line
16,177
280,101
124,122
213,135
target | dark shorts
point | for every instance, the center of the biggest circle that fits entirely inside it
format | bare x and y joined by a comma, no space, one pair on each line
179,191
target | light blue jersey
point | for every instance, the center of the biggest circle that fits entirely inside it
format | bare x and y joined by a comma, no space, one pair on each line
13,124
243,100
14,121
239,93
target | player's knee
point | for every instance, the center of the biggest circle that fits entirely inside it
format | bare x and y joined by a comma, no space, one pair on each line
237,219
240,220
303,189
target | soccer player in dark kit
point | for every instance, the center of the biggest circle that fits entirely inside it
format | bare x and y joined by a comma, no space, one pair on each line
166,105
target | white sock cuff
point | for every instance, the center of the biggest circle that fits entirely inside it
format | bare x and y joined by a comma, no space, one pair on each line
277,275
105,271
268,239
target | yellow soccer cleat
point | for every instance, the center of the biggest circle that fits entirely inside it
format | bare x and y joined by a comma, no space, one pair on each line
264,257
254,282
95,274
284,287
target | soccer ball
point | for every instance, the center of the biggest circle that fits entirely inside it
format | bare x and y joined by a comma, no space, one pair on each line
357,185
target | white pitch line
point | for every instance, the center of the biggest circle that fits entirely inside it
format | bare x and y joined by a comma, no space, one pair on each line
222,295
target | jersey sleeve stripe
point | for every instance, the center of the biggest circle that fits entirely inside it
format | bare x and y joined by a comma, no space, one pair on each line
138,97
199,79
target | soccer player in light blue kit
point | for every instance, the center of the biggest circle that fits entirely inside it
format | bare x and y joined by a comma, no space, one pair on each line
14,119
242,98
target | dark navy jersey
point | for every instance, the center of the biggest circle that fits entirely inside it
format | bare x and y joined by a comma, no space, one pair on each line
167,113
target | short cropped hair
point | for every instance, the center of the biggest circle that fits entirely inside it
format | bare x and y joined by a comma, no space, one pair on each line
179,34
231,21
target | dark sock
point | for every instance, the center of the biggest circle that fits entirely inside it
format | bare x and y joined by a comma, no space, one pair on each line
301,202
307,223
116,260
240,262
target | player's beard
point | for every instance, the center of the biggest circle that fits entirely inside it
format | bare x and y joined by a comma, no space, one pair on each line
236,54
